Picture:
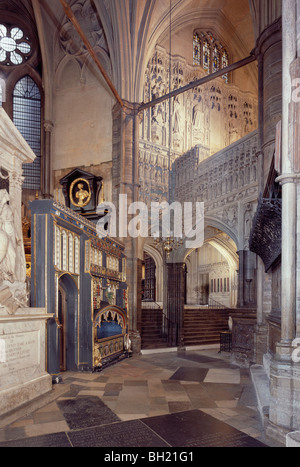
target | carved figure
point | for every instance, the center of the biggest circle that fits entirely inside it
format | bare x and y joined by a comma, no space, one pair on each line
10,240
81,195
177,115
13,292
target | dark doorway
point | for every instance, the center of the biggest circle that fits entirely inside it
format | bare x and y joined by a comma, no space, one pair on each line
204,289
68,321
149,292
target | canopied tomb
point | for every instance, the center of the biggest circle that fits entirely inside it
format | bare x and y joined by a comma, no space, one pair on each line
81,278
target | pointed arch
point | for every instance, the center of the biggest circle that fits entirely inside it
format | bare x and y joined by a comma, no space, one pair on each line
157,257
68,73
27,114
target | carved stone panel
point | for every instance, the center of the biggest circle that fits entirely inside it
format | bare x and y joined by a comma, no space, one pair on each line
243,340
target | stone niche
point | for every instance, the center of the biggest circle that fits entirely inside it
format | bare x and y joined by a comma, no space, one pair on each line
22,329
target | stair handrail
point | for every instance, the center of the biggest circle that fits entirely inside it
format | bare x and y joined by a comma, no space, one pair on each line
214,304
150,305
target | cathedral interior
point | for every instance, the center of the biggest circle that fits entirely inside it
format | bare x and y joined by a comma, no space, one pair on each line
115,329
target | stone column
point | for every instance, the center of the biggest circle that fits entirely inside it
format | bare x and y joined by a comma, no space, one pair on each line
261,327
125,182
269,56
284,371
288,180
247,279
260,156
46,162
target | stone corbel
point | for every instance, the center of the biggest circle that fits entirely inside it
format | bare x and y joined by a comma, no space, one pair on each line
48,126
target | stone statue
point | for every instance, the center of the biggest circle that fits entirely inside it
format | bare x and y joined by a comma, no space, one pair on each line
198,117
177,116
13,292
8,237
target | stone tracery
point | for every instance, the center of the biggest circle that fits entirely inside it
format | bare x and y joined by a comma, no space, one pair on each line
210,118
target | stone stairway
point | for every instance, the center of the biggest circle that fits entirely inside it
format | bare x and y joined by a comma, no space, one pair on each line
151,329
203,326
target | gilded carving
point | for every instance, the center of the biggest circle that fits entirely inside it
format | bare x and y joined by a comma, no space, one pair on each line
80,193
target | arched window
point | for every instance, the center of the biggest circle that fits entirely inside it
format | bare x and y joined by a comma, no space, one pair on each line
20,85
209,53
27,118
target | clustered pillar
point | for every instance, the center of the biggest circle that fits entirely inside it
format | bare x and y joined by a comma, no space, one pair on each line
125,182
285,371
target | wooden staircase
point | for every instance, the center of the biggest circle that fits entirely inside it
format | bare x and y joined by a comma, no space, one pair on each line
151,329
203,326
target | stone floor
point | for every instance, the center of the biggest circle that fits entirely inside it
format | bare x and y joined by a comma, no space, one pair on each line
167,400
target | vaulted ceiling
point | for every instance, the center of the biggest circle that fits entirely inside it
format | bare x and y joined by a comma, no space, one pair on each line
132,28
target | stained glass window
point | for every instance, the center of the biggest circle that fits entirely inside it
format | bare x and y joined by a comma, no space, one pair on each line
209,53
27,118
216,60
225,63
197,50
15,46
206,56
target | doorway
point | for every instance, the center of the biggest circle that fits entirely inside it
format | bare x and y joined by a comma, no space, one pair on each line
149,280
68,323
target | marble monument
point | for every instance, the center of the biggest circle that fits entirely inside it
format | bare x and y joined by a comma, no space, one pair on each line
23,376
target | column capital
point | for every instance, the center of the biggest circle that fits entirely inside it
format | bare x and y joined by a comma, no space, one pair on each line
284,179
268,37
129,108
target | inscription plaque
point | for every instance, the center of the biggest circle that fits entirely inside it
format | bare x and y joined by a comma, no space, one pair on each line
19,351
132,433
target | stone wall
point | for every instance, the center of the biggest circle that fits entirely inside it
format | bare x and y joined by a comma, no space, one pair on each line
210,118
226,183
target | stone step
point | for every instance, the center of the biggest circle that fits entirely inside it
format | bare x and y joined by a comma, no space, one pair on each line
200,327
151,330
204,326
191,325
156,345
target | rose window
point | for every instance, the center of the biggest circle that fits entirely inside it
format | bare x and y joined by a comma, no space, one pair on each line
15,47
